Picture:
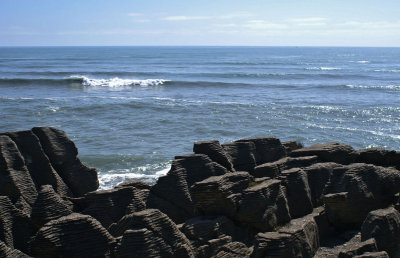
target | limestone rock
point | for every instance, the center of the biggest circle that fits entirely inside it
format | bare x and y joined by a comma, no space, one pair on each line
15,180
74,235
134,183
361,248
179,196
268,149
198,167
297,192
220,195
243,155
48,206
37,162
62,154
368,187
140,243
380,157
382,254
15,226
274,169
291,146
202,229
263,206
319,176
215,152
384,226
8,252
148,227
109,206
233,250
185,171
328,152
299,238
304,231
274,244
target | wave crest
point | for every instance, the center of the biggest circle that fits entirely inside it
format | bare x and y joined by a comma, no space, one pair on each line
119,82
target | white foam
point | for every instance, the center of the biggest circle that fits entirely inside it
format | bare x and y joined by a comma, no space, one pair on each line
363,62
386,87
119,82
388,71
324,68
112,178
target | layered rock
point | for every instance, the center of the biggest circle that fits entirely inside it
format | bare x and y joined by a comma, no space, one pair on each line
74,235
177,201
152,233
329,152
109,206
384,226
63,153
37,162
48,206
215,152
15,180
241,199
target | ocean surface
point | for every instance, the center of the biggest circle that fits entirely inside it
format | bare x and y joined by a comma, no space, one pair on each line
130,110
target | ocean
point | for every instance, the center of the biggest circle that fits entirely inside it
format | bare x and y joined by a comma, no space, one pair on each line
130,110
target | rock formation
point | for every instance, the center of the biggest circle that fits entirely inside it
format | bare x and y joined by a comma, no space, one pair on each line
254,197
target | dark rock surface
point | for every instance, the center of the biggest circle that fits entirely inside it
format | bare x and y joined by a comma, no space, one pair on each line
63,153
384,226
147,228
15,180
38,164
329,152
215,152
48,206
74,235
253,197
108,206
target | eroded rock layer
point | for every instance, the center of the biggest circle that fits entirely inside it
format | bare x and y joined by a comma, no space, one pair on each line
255,197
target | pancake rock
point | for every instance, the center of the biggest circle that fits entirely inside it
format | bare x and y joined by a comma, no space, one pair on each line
254,197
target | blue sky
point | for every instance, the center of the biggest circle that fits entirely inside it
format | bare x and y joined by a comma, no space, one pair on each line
207,22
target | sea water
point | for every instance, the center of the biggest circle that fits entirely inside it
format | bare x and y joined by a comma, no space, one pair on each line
130,110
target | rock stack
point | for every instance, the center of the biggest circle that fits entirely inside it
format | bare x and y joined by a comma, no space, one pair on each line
253,197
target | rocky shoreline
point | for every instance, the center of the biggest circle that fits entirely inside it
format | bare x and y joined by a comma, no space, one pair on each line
250,198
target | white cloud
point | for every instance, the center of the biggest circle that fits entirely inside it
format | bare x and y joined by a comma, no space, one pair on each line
235,15
185,18
142,20
308,20
264,25
371,25
135,14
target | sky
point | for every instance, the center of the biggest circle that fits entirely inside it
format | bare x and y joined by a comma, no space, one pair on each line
200,23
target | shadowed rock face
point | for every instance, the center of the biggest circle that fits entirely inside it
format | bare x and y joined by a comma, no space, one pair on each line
298,206
37,162
384,226
215,152
177,201
48,206
15,226
329,152
108,206
267,149
148,227
74,235
6,251
15,180
63,156
243,155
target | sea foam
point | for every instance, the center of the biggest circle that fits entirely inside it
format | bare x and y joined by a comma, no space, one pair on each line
119,82
323,68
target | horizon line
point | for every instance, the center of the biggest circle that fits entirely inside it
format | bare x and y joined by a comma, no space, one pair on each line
294,46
